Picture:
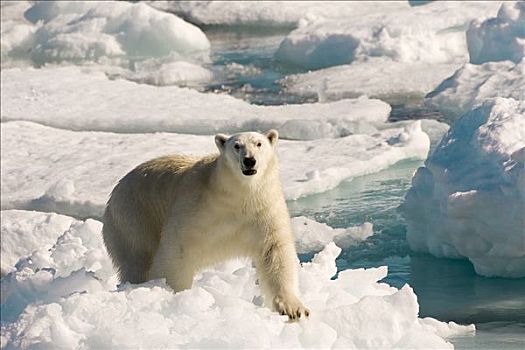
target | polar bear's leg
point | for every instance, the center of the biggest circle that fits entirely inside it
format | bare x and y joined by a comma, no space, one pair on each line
135,269
277,271
170,263
131,262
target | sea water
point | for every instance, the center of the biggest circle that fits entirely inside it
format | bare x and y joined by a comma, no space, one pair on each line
447,289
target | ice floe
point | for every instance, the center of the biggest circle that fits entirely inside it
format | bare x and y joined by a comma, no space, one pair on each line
50,96
469,198
314,236
66,296
497,69
472,84
436,35
378,77
73,172
143,44
377,55
499,38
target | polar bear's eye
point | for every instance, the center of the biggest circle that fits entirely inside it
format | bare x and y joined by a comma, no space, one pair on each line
237,146
259,144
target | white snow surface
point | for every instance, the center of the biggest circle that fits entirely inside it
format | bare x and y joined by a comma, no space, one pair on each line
74,172
50,96
499,38
84,31
67,297
469,198
472,84
377,77
436,34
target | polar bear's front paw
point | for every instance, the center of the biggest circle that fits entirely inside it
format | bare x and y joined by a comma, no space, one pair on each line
290,306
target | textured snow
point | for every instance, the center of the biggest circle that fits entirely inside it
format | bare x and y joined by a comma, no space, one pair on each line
74,172
499,38
469,198
22,232
76,31
50,96
377,77
472,84
66,297
436,35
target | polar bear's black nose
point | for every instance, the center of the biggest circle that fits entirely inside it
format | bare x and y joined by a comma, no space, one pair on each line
248,162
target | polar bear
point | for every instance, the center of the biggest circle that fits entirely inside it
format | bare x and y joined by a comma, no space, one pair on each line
175,215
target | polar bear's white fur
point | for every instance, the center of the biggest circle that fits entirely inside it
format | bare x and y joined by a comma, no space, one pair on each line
175,215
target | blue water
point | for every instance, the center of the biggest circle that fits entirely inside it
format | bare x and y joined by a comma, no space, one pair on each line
446,289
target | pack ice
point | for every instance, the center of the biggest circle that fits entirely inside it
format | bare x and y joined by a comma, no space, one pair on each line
500,38
472,84
468,201
377,54
65,296
59,289
319,43
496,69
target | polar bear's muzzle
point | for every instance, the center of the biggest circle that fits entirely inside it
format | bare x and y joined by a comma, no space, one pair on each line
248,164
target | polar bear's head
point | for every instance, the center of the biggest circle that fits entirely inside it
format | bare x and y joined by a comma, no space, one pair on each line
248,153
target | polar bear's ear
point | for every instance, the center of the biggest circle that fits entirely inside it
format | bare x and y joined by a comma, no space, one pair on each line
273,136
220,141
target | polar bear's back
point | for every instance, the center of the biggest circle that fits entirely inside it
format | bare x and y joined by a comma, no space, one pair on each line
139,205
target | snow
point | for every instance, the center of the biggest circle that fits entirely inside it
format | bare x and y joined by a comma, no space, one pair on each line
22,232
50,96
378,77
109,31
58,298
469,198
76,177
472,84
436,35
499,38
